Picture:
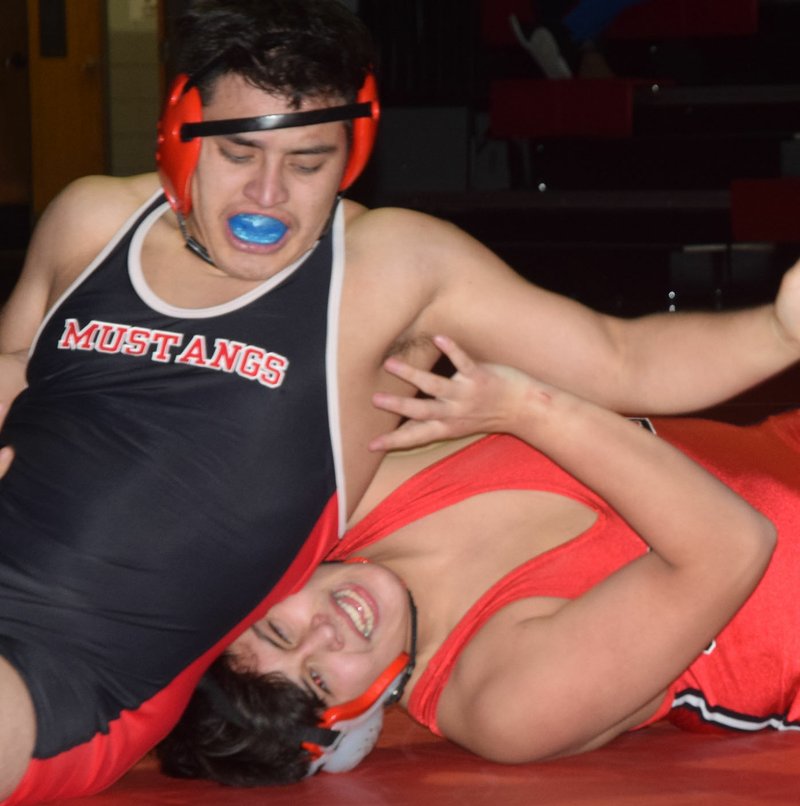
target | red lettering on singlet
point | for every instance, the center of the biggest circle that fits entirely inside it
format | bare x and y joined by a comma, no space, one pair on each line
164,341
110,338
246,360
195,352
138,341
252,358
76,338
274,370
226,355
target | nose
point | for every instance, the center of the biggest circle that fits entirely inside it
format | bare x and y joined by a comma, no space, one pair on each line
322,634
266,187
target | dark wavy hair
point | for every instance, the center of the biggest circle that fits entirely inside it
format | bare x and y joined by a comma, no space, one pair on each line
260,746
293,48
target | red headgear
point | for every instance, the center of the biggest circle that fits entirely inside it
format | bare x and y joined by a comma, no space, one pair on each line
181,127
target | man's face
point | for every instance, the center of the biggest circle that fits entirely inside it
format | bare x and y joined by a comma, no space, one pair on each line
336,635
289,175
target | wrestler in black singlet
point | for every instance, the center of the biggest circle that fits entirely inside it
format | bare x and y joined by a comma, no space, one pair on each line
169,465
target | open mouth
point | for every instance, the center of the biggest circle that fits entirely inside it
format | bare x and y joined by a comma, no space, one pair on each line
358,608
257,229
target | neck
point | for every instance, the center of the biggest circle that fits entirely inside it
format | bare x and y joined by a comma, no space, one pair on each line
192,244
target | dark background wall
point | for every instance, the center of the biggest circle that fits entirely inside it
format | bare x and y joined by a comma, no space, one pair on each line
632,194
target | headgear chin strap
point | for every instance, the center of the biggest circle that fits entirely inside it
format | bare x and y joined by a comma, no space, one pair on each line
352,729
182,125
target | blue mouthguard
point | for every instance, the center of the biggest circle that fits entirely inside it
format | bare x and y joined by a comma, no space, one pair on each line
261,229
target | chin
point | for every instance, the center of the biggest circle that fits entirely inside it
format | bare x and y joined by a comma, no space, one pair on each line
254,269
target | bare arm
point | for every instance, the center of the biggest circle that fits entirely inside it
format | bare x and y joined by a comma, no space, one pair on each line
532,686
660,363
72,231
74,228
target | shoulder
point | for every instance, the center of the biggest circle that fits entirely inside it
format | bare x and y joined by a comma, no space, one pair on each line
416,243
527,689
71,232
95,207
383,227
482,708
81,220
408,249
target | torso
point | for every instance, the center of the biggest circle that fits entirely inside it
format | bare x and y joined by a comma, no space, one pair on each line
486,536
424,542
380,307
183,464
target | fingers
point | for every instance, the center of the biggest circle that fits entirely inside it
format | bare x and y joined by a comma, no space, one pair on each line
412,408
409,435
458,358
427,382
438,415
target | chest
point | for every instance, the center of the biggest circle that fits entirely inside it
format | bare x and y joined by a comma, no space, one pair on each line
452,557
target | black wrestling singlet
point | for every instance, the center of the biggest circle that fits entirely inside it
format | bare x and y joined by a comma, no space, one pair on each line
170,464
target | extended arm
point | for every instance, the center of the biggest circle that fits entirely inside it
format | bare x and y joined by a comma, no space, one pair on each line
662,363
532,686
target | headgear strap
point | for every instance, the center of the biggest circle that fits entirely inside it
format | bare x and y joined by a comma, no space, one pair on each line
287,120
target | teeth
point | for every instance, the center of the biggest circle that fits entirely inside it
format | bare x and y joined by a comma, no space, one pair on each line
356,609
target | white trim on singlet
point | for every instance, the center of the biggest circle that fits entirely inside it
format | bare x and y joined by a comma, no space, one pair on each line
717,715
152,300
145,293
332,362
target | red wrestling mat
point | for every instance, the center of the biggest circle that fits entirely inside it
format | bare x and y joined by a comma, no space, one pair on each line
661,765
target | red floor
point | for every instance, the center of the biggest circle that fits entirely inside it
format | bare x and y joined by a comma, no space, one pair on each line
410,767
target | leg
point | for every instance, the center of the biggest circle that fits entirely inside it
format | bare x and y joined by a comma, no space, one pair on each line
17,728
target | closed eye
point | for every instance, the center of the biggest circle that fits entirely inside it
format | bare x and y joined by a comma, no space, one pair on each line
274,635
307,169
236,154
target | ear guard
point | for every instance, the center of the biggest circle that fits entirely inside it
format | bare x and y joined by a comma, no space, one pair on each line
349,731
181,126
177,158
364,130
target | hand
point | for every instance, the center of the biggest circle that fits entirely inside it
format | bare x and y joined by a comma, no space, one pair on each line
787,305
478,398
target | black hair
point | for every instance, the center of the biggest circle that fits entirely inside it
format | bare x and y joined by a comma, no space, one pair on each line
255,742
293,48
